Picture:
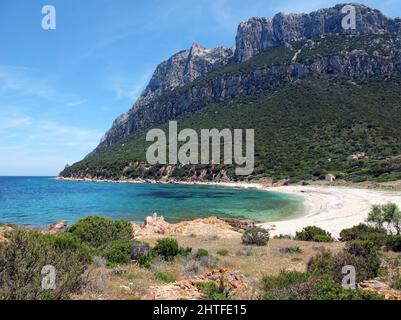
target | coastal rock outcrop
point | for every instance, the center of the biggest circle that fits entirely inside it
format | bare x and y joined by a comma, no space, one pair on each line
208,227
57,227
5,232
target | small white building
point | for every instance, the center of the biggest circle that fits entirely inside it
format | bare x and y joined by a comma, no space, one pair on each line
357,156
330,177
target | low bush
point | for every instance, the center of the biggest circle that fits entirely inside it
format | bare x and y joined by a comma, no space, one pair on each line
185,252
255,236
98,232
223,252
202,253
393,243
167,248
285,279
292,285
364,232
165,277
213,291
283,237
290,250
396,281
146,260
29,258
118,252
360,254
313,233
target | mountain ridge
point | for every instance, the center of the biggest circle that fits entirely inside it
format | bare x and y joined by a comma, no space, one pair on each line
254,37
185,87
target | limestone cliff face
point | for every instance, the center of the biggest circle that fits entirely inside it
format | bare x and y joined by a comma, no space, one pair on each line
182,68
157,105
185,67
259,34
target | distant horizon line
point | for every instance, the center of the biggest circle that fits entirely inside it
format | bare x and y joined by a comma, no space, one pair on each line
27,176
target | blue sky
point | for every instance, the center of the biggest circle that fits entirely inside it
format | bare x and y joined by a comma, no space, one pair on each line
60,90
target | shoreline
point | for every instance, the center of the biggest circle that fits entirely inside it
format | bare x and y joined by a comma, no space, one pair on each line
332,208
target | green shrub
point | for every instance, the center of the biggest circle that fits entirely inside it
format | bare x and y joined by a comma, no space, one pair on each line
332,290
292,285
98,232
146,260
283,237
24,257
255,236
213,291
202,253
164,277
208,288
360,254
223,252
185,252
118,252
396,281
313,233
167,248
388,215
290,250
285,279
365,232
394,243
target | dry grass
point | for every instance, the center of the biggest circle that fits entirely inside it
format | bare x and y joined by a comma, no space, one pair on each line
133,282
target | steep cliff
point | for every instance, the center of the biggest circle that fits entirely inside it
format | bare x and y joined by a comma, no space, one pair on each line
179,70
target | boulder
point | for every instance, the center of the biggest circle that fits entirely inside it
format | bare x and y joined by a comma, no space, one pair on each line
139,250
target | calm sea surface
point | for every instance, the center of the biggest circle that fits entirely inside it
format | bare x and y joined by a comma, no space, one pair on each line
40,201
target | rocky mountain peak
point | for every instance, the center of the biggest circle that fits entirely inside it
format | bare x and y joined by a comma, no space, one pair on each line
185,66
259,34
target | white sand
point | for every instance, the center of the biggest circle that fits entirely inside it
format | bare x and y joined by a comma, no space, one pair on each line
330,208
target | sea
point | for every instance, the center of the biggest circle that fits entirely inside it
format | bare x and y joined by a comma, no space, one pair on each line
40,201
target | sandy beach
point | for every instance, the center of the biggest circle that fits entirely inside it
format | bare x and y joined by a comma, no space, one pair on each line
329,207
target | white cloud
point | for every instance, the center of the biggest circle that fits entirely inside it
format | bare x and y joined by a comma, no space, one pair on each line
76,103
123,88
36,146
23,80
294,6
17,122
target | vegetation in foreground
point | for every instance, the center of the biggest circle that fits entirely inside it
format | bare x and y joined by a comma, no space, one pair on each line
100,256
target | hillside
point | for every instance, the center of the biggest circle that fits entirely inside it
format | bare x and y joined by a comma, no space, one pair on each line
313,101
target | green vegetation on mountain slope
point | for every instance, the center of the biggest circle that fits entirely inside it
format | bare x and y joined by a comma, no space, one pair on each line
302,132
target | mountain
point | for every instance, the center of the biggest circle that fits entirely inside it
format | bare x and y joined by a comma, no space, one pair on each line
272,63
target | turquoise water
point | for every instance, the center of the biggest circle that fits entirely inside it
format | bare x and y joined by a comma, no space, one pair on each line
38,202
